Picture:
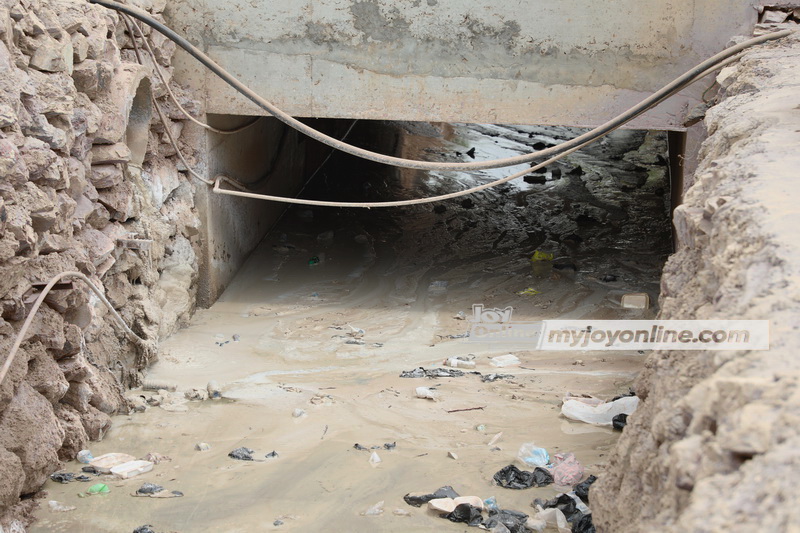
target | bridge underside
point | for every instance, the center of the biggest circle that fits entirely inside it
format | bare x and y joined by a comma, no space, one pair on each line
571,62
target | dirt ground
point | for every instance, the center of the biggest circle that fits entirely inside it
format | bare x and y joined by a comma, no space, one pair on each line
279,340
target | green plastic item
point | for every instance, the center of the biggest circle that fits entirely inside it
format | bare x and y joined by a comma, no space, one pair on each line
100,488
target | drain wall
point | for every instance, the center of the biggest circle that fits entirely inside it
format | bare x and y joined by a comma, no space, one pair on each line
715,445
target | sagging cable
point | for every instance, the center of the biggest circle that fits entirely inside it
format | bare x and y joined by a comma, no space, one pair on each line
626,116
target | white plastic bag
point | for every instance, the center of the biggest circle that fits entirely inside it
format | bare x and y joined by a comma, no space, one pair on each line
599,415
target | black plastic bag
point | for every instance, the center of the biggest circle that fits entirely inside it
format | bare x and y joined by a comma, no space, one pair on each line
144,529
465,513
512,477
583,524
417,500
582,488
619,421
513,520
432,373
242,454
564,503
62,477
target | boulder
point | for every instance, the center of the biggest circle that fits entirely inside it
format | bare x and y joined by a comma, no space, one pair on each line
30,430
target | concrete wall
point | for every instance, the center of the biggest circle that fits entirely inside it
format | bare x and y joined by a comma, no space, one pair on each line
268,158
571,62
716,444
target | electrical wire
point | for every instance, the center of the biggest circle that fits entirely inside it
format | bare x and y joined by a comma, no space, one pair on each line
148,346
631,113
174,98
430,199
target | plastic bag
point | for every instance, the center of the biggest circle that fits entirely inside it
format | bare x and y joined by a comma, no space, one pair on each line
566,469
582,488
512,477
600,415
467,514
532,455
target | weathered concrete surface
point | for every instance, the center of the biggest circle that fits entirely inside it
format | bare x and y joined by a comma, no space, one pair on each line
715,445
537,62
82,170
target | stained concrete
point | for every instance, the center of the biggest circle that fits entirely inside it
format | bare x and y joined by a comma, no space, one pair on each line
538,62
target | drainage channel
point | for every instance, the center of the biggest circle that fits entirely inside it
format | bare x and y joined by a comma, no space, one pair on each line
309,339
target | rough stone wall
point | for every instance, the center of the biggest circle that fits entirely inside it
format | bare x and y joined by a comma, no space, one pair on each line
72,194
716,444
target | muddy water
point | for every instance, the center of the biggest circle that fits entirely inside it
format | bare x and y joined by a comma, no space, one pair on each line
402,276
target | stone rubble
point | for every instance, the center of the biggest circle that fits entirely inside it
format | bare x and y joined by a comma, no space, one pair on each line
71,193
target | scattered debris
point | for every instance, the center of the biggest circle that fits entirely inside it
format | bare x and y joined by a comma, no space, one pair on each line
214,392
58,507
635,300
541,256
298,413
375,459
599,414
236,337
495,439
619,421
530,291
489,378
67,477
571,508
157,458
511,477
427,393
151,490
452,455
566,469
467,409
272,455
144,529
242,454
431,373
532,455
401,512
196,395
505,360
608,278
132,469
390,445
375,510
461,315
202,446
84,456
416,499
582,488
467,514
459,361
99,488
106,462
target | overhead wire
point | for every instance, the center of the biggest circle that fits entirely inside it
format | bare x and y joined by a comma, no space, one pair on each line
624,117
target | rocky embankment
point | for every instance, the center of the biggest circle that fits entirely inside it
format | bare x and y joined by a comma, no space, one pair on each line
715,445
88,182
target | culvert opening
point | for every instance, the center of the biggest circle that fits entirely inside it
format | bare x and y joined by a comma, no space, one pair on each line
333,305
603,212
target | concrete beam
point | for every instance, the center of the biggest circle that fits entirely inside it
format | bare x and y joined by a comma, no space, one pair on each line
571,62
